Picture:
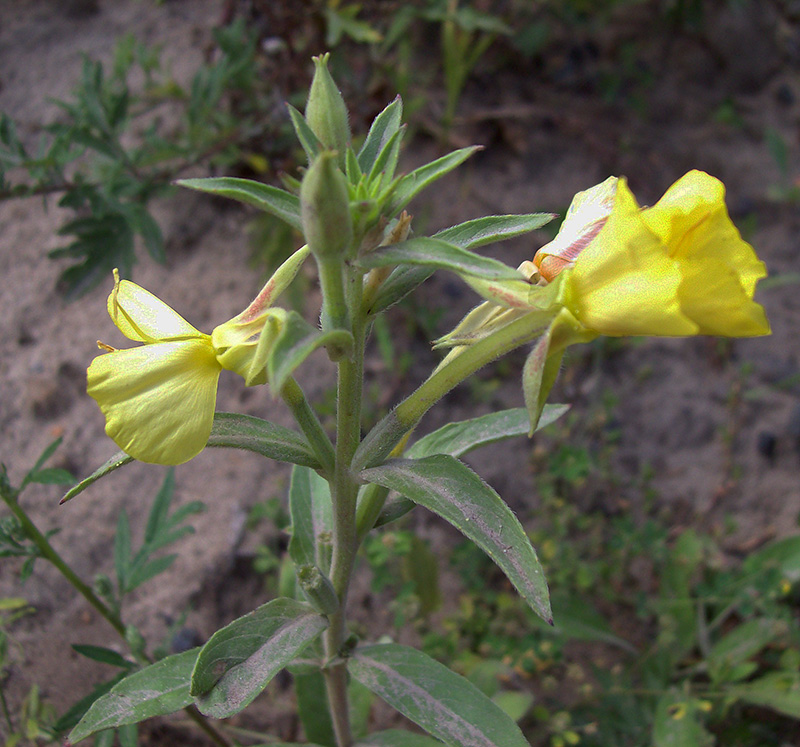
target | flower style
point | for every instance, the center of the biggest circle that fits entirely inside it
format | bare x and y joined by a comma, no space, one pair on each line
158,399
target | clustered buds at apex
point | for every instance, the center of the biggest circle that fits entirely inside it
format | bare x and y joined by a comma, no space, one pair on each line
326,112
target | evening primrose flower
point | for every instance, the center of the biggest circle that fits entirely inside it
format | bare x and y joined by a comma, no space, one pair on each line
678,268
158,399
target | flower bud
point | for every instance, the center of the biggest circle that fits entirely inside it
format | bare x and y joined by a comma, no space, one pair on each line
326,113
318,589
325,208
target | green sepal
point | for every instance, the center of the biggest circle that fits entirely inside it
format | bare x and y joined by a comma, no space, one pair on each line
310,142
277,202
297,340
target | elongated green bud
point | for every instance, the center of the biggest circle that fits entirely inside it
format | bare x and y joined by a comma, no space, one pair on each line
326,112
318,589
325,208
328,227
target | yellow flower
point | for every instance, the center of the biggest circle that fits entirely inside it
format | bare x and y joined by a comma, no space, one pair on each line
677,268
158,399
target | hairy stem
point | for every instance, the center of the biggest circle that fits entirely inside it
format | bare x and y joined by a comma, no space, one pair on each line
344,489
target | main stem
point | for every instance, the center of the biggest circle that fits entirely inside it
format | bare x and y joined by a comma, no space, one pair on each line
344,490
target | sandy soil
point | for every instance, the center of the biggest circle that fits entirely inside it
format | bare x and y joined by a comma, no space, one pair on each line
687,408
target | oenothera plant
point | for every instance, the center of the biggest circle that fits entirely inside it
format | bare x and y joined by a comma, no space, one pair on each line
677,268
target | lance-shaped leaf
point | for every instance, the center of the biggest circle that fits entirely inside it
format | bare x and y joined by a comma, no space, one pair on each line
383,127
239,660
492,228
460,438
234,431
161,688
313,708
778,691
410,185
440,255
311,512
398,738
469,235
440,701
297,340
309,141
457,439
452,490
273,200
385,164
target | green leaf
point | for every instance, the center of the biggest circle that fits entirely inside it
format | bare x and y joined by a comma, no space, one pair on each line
51,476
234,431
273,441
452,490
311,512
440,701
677,722
383,127
239,660
412,184
778,691
457,439
782,555
441,255
101,654
492,228
273,200
297,340
398,738
313,708
37,468
76,712
462,437
158,689
469,235
385,164
309,141
740,644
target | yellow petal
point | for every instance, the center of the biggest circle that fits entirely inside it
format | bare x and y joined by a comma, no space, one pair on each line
141,316
720,270
625,282
158,400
